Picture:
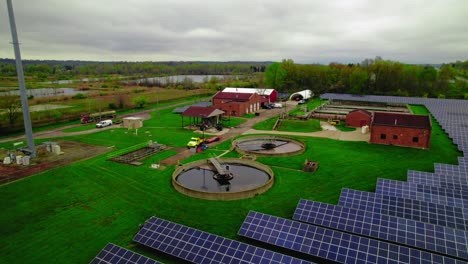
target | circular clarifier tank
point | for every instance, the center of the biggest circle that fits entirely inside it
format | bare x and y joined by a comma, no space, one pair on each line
268,146
230,179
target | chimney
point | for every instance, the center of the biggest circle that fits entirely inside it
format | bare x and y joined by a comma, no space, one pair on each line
396,121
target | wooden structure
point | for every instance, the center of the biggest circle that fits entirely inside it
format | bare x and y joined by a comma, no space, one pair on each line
401,130
132,122
237,104
358,118
310,166
202,116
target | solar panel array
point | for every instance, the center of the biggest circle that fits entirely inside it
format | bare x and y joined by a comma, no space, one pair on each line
394,229
201,247
330,244
112,254
452,197
437,214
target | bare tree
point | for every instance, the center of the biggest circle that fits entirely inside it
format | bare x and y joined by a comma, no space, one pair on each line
12,105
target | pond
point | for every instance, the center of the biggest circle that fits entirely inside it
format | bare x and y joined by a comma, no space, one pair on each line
45,92
181,78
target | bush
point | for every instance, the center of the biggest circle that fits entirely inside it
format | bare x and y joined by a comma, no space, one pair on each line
113,106
79,96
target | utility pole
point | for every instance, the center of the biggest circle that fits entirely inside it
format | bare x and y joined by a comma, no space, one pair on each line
19,70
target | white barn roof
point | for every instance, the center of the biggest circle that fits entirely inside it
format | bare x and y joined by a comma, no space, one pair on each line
260,91
306,94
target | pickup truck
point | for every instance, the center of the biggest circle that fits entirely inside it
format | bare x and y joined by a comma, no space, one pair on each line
194,142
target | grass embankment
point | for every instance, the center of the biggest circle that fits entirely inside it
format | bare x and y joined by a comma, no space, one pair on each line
67,215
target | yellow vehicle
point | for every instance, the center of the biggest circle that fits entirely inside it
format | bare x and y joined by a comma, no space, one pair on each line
334,122
195,141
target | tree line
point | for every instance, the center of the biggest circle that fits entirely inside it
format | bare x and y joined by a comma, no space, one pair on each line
372,76
61,70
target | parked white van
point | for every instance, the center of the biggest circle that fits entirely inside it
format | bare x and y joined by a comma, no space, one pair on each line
104,123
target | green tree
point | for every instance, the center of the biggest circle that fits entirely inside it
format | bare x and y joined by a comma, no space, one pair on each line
140,101
275,76
12,106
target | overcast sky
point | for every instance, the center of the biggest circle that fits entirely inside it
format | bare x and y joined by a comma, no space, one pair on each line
308,31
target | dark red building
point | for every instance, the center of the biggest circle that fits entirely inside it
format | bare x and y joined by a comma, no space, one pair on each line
358,118
401,130
237,104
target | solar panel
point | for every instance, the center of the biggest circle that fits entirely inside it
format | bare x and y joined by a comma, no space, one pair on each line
402,189
423,178
423,188
330,244
422,211
201,247
447,169
414,176
112,254
403,231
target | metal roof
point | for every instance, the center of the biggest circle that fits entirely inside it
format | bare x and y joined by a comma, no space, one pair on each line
204,112
260,91
401,120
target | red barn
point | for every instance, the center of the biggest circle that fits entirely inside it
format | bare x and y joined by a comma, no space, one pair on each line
358,118
237,104
401,130
268,95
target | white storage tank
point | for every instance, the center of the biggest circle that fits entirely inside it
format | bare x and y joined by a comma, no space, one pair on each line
56,149
26,160
19,159
6,160
365,129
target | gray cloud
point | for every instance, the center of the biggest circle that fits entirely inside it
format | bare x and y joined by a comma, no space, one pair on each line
306,31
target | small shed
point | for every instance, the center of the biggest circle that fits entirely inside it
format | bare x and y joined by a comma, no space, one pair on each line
358,118
132,122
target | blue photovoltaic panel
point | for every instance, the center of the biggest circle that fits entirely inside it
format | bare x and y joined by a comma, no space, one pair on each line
431,178
423,178
422,211
201,247
331,245
452,170
423,188
426,236
112,254
402,189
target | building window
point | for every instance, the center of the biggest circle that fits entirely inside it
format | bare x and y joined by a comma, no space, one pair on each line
395,137
383,136
415,139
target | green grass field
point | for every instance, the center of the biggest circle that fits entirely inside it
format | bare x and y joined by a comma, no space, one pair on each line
67,215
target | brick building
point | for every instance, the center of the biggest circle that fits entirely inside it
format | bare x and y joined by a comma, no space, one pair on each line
237,104
358,118
401,130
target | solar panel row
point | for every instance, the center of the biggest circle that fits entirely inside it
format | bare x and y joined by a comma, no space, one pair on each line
201,247
330,244
421,192
112,254
394,229
419,176
437,214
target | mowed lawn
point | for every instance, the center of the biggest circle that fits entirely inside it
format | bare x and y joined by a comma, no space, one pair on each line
68,215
